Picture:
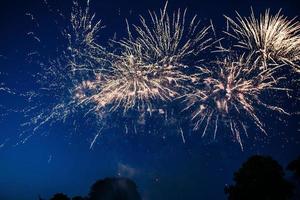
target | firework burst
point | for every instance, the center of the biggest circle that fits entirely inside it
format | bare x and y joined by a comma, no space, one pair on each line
156,64
229,92
150,66
275,39
78,59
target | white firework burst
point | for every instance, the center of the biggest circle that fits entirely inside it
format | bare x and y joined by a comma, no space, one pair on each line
150,67
275,39
230,93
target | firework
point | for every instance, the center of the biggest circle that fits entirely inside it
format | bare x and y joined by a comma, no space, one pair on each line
84,55
275,39
150,67
78,59
229,92
161,61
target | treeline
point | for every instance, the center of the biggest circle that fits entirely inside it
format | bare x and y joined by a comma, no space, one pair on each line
106,189
259,178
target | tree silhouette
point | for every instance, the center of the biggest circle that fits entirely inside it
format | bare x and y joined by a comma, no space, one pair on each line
79,198
40,198
60,196
114,189
260,178
294,166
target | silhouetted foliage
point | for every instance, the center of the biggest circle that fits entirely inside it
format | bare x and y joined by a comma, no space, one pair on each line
260,178
114,189
60,196
294,166
79,198
40,198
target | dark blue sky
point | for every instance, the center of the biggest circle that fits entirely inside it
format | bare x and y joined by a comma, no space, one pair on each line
58,159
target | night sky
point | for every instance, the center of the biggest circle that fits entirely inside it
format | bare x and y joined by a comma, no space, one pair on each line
59,159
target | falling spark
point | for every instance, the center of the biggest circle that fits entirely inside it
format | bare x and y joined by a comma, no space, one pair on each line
95,138
182,135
